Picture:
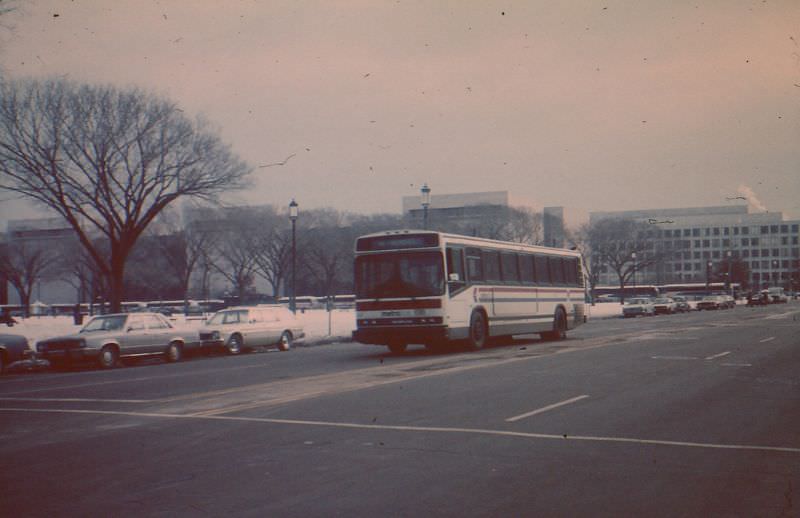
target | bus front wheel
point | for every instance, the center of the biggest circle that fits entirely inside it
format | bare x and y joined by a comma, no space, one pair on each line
478,331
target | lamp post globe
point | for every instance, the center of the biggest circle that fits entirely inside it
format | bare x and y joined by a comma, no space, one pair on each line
426,201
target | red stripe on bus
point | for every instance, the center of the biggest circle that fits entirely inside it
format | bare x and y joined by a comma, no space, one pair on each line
398,304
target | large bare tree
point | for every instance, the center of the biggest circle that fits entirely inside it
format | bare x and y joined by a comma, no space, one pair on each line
108,161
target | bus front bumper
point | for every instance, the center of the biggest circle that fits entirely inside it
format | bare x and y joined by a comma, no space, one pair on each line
407,335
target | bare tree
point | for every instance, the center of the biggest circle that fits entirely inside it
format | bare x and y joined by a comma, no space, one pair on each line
107,160
235,248
614,242
24,265
273,248
580,240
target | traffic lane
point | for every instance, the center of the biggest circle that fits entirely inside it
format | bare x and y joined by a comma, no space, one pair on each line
175,466
631,394
210,374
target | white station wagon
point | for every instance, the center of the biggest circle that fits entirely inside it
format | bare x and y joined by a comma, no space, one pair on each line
239,328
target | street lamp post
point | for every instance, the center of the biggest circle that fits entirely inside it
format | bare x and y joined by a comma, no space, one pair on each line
426,201
293,218
728,272
633,256
708,275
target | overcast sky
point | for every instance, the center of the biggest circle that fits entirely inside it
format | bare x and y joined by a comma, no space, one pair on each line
594,105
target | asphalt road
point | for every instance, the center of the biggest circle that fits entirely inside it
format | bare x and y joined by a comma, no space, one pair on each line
683,415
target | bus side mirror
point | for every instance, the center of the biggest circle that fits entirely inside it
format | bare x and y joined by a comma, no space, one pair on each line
454,277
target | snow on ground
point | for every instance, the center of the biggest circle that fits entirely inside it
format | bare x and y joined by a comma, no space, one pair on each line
315,323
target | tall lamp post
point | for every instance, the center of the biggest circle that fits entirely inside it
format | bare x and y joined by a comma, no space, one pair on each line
708,275
426,201
728,279
293,218
633,256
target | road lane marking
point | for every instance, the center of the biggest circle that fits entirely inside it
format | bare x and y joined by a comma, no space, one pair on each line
674,358
765,340
736,364
546,408
720,355
76,399
429,429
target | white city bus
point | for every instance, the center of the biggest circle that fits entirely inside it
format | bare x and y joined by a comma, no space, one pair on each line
421,287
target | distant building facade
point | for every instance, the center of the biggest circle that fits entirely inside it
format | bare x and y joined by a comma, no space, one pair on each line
690,238
466,208
553,226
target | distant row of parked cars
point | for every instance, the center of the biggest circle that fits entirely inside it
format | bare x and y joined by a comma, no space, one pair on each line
106,339
645,306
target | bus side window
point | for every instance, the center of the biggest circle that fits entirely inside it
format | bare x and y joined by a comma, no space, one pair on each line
526,269
508,264
455,264
474,265
491,265
571,267
542,270
556,269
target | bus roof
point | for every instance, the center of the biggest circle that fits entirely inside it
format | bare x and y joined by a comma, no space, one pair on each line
464,240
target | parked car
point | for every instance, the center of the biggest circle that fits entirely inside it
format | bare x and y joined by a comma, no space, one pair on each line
777,296
728,301
239,328
711,302
681,304
107,338
638,306
758,299
13,349
664,305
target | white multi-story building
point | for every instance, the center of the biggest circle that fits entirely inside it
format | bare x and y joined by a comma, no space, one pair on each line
690,238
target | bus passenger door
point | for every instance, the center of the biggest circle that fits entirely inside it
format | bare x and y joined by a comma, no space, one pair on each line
459,296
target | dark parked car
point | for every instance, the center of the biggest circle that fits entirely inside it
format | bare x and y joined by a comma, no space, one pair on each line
107,338
13,349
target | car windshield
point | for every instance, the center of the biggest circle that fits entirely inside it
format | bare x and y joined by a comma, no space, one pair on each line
639,301
407,274
710,297
663,301
105,323
228,317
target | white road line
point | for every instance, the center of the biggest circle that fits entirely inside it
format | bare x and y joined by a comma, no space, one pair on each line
674,358
430,429
720,355
736,364
546,408
76,399
765,340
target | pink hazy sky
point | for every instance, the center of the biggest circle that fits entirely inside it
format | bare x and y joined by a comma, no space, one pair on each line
591,105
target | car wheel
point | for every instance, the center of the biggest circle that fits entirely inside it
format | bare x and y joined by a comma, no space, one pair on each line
174,352
286,341
397,347
235,344
109,356
478,331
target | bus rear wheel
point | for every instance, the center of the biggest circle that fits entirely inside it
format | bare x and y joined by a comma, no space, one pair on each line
559,331
478,331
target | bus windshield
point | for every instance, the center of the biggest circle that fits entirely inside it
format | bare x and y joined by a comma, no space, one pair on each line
407,274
